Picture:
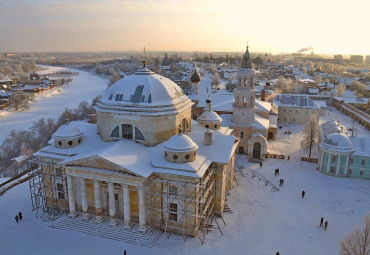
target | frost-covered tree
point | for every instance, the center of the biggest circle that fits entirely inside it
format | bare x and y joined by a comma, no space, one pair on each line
341,89
19,101
310,133
284,86
358,242
113,78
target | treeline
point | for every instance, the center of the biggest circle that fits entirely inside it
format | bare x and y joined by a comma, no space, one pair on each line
27,142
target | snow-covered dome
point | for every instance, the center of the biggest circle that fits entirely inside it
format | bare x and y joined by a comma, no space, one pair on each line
67,131
145,88
67,136
210,119
337,142
180,143
180,149
195,77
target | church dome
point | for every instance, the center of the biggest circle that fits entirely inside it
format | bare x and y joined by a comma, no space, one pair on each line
181,143
180,149
67,131
195,77
210,119
145,88
337,142
67,136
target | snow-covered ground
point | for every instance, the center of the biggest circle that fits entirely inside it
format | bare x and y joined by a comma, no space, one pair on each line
263,221
52,103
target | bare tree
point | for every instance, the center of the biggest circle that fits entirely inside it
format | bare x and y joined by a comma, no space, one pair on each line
358,242
113,78
310,133
19,101
317,79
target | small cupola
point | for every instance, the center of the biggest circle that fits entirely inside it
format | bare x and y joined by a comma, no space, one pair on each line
180,148
210,119
195,78
67,136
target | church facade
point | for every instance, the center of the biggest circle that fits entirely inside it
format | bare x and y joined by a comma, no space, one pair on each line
145,161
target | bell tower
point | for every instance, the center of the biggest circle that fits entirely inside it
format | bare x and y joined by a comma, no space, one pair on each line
245,93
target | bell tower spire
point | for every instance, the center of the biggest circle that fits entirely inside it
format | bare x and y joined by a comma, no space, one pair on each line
246,64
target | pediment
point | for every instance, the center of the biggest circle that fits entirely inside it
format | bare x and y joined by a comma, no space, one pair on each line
98,162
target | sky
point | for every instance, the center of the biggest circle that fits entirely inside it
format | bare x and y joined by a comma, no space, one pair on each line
329,26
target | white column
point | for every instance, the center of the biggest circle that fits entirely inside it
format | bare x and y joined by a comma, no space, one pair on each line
98,206
142,223
346,165
112,205
85,214
329,161
126,206
71,197
338,164
321,159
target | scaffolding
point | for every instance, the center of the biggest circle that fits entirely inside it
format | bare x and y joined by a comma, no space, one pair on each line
48,189
184,206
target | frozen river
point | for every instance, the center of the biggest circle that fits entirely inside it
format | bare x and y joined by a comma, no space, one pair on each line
52,103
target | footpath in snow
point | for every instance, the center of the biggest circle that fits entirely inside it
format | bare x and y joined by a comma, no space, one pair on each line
52,103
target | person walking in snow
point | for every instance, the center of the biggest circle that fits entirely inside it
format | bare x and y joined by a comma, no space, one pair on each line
303,193
20,215
16,218
278,253
326,225
322,222
124,252
261,164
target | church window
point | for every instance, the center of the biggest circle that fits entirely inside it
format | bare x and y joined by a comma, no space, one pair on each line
138,135
349,171
165,154
110,97
245,81
79,140
334,158
70,142
351,160
115,132
284,110
244,101
173,190
332,170
215,126
195,153
362,162
60,191
187,156
240,81
173,212
361,173
175,157
150,98
126,131
242,134
185,124
58,171
119,97
60,143
207,126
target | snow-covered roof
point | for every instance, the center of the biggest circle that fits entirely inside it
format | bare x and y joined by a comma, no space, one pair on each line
67,130
296,101
331,127
361,145
353,100
337,142
144,88
180,143
209,116
143,160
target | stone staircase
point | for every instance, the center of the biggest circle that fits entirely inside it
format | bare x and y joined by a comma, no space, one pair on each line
228,209
118,233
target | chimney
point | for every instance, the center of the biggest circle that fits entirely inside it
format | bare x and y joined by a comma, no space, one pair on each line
208,137
263,95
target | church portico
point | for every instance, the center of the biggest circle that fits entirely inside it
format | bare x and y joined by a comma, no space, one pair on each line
113,205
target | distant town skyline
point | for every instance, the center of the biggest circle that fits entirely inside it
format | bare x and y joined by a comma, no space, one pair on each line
330,27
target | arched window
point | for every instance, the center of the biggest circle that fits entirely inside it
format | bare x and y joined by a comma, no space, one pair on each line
138,135
185,124
115,132
240,81
126,131
245,81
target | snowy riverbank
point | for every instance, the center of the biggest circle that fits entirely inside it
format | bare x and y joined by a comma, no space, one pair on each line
52,103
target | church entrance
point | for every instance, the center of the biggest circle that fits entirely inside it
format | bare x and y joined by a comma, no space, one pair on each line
270,136
257,150
241,150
